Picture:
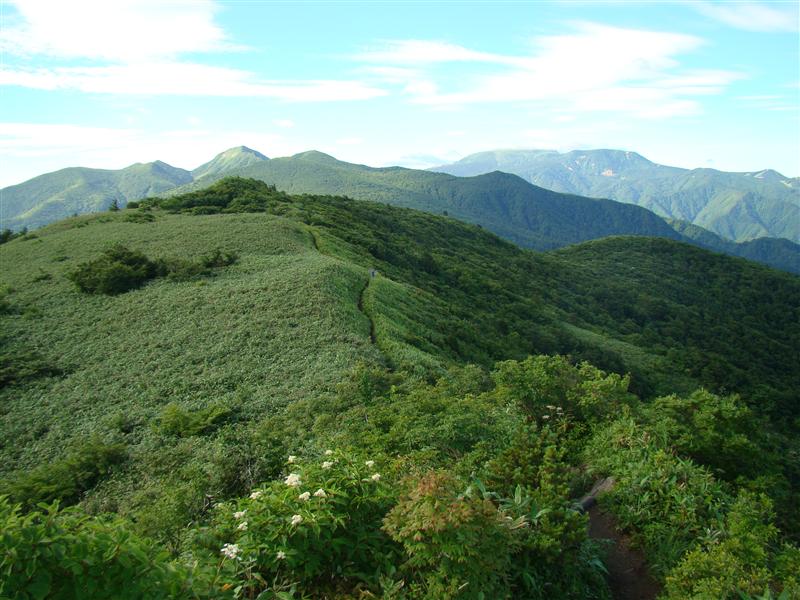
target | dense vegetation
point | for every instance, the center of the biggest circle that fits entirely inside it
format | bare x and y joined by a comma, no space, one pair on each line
296,427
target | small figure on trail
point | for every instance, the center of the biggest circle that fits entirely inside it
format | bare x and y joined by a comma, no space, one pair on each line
372,273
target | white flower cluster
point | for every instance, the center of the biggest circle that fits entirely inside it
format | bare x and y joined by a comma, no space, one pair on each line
559,412
281,555
239,514
369,463
256,495
320,493
305,496
327,464
376,477
242,526
292,459
328,452
297,519
292,480
230,551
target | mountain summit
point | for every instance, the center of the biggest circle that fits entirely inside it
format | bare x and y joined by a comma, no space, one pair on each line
233,158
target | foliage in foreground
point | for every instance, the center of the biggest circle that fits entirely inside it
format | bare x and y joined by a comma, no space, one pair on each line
52,553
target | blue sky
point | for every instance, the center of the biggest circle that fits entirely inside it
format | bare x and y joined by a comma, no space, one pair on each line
106,84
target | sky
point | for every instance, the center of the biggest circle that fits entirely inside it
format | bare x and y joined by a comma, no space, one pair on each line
109,83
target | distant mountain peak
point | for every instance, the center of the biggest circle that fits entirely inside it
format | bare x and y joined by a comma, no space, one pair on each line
316,155
242,150
232,158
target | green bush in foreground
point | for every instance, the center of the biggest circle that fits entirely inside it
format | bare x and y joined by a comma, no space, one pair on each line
319,528
739,560
52,554
117,271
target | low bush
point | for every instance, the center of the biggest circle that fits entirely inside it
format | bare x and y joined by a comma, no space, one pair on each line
320,527
177,421
739,559
67,479
63,554
666,502
120,269
117,271
458,544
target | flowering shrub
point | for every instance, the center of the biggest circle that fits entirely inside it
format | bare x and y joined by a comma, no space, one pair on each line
319,527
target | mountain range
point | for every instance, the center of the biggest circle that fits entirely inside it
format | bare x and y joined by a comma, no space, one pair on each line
737,206
528,215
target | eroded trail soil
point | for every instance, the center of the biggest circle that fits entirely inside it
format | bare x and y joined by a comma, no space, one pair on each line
628,576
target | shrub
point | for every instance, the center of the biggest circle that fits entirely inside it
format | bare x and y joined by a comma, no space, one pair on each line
319,527
66,479
120,270
540,385
717,431
176,420
62,554
218,258
117,271
139,217
665,501
459,544
736,560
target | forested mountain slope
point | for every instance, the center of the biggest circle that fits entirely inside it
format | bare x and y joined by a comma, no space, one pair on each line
736,206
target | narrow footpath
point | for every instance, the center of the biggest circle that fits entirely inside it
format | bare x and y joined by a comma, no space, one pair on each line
372,338
628,575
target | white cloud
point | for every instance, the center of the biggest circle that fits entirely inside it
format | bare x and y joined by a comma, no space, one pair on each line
285,123
596,68
418,52
753,16
122,30
134,47
183,79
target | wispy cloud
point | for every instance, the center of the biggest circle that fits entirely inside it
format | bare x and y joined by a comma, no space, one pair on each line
595,68
753,16
135,48
184,79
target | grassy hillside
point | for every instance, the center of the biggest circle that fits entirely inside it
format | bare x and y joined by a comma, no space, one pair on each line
78,190
187,392
736,206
